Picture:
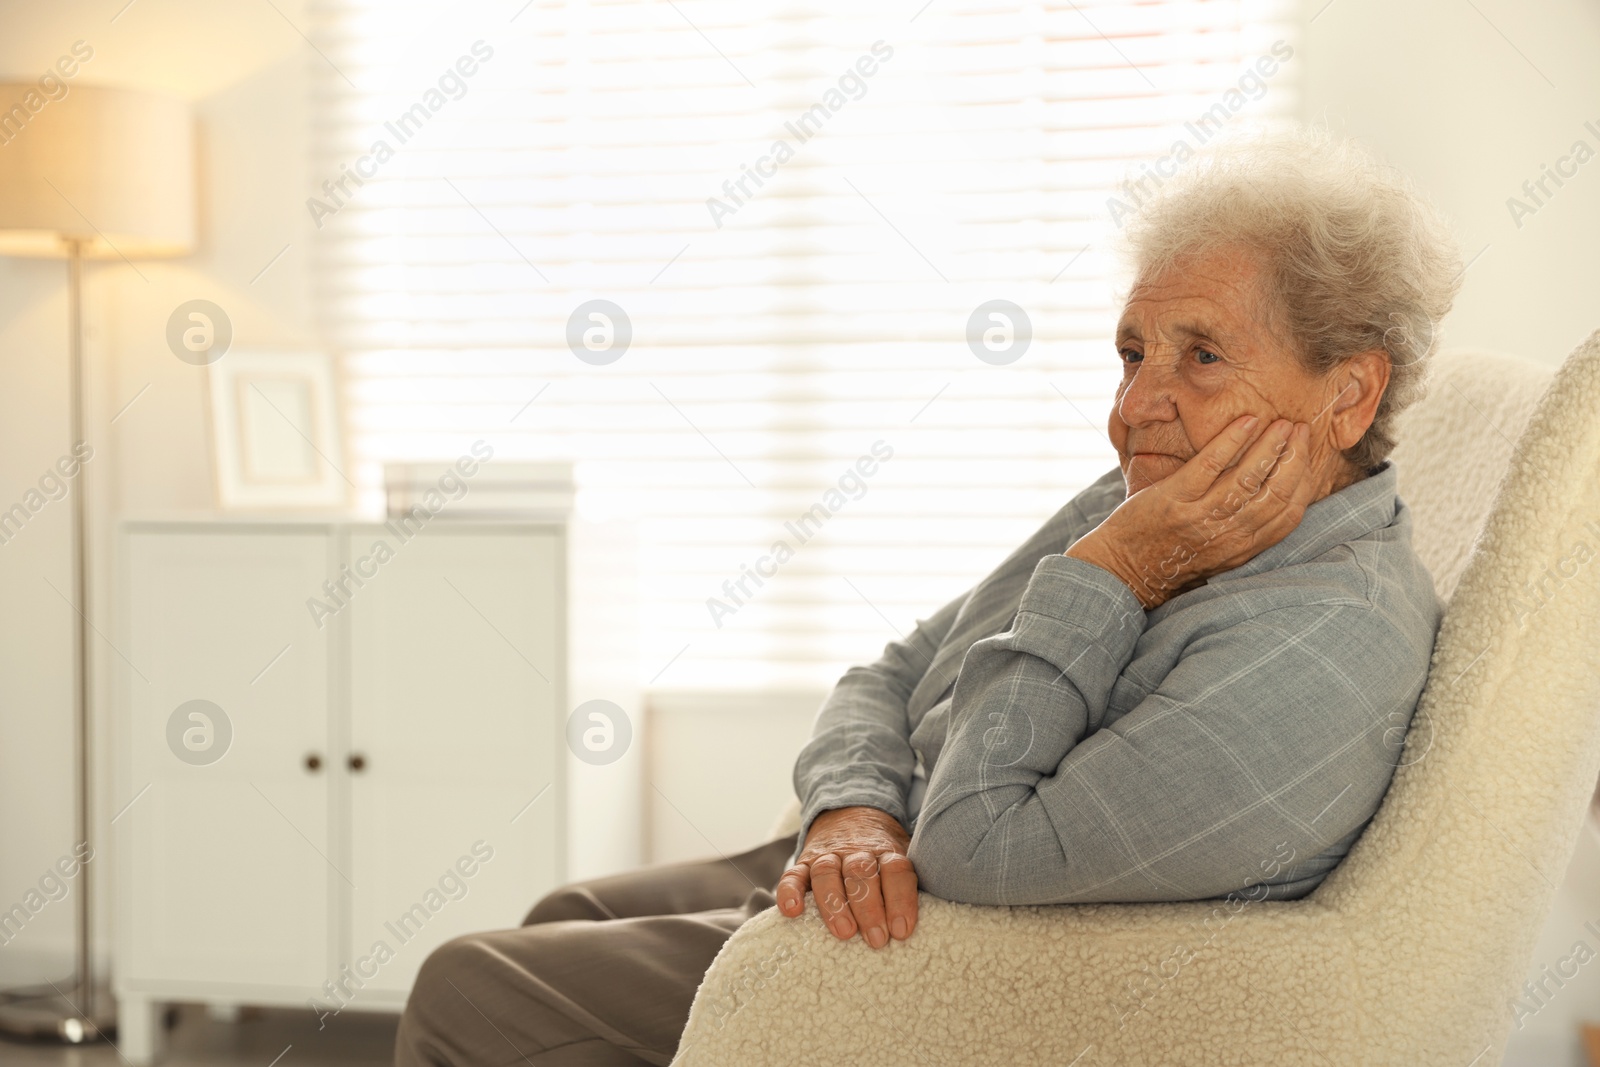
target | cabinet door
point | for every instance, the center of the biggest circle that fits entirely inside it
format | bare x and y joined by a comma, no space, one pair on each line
224,848
456,682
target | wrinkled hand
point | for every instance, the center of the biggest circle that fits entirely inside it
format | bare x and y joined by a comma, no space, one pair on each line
1207,518
854,862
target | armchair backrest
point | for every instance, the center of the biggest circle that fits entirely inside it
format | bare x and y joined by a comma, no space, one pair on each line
1462,860
1454,446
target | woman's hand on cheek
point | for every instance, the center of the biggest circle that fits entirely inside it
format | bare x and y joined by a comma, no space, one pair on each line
1207,517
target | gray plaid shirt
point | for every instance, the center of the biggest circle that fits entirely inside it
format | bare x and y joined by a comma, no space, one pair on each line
1077,748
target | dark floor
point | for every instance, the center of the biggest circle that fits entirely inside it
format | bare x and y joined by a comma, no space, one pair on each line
261,1037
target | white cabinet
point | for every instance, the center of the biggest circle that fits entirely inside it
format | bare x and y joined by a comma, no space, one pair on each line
222,869
456,659
379,767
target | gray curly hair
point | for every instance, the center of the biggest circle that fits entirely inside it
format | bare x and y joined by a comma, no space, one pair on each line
1353,258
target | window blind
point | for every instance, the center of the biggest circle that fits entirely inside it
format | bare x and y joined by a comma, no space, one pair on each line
798,209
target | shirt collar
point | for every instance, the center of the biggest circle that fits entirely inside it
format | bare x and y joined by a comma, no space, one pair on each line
1352,512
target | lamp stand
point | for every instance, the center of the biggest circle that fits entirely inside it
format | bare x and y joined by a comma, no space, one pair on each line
76,1018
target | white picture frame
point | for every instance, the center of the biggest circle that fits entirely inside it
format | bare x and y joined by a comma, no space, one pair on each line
276,432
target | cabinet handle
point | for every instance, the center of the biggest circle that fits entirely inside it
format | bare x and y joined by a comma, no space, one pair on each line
313,762
357,762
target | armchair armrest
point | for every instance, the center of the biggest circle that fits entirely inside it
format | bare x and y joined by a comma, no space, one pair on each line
1193,983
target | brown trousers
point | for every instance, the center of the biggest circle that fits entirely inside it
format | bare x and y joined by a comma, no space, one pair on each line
601,973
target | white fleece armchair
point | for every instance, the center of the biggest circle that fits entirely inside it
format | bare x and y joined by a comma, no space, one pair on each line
1412,949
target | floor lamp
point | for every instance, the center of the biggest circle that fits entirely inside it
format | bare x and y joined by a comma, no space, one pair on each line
88,173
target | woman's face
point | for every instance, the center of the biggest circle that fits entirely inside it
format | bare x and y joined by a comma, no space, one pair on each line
1197,352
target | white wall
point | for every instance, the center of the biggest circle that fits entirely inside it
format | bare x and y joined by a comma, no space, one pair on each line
719,769
35,657
1435,87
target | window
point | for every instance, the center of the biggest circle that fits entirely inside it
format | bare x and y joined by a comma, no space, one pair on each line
798,208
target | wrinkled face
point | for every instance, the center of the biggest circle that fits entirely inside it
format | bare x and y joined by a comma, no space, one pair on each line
1197,352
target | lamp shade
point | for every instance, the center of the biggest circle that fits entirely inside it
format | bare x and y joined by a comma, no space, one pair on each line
110,169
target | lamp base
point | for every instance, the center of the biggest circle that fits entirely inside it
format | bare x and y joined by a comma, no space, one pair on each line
56,1019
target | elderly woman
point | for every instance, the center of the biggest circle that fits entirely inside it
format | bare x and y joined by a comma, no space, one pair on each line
1192,680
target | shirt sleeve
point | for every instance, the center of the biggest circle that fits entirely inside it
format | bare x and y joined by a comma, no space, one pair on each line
1271,740
860,749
